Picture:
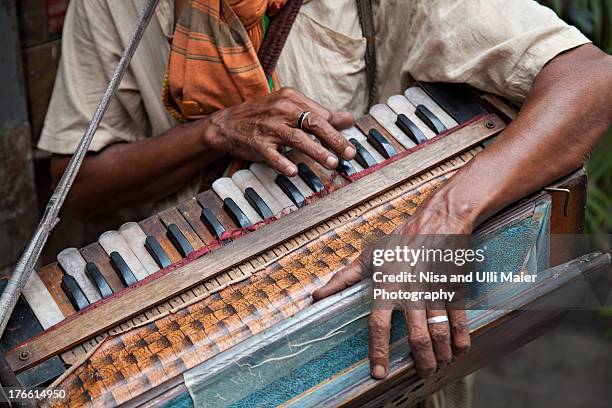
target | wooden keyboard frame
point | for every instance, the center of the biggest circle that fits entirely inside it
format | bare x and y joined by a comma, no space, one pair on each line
165,284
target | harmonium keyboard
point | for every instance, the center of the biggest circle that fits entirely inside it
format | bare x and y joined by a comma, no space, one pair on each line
213,296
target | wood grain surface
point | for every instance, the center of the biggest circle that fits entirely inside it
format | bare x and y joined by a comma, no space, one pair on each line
136,299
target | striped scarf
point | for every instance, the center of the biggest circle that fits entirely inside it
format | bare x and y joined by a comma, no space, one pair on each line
213,60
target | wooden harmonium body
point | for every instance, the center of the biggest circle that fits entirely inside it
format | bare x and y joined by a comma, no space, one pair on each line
131,318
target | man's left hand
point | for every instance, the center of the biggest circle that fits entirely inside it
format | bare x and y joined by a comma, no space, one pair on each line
432,345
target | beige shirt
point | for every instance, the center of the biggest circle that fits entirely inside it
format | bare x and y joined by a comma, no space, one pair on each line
494,45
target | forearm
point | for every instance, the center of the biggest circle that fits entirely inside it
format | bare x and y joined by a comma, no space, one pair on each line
565,114
128,174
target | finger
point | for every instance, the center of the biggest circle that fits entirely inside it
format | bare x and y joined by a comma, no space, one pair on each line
277,161
338,119
379,330
300,141
440,337
345,277
420,343
321,122
328,135
460,332
305,103
341,120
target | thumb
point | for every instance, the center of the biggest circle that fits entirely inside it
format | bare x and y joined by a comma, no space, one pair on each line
345,277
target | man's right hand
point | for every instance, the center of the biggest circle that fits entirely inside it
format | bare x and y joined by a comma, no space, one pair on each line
255,130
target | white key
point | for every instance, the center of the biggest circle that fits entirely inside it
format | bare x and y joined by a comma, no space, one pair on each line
356,166
267,176
41,302
245,178
73,264
135,238
417,96
113,241
386,118
355,133
225,188
302,186
400,104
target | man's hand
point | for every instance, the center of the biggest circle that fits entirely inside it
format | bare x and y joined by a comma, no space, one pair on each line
538,147
256,129
253,130
432,345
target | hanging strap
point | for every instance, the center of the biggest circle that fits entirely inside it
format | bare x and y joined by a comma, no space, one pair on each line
366,20
273,43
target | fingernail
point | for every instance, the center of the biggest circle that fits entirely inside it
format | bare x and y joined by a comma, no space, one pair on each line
349,152
378,371
291,170
331,162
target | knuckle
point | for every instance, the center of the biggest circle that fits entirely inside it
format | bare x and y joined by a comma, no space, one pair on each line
327,115
315,123
252,141
444,360
440,335
337,139
460,328
280,106
378,351
287,92
420,342
378,327
291,137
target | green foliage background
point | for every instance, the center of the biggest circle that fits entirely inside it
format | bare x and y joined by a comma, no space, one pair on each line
594,19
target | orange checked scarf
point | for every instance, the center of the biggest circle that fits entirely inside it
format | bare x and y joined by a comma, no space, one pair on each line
213,60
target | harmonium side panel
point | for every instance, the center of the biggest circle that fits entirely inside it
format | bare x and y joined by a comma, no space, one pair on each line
325,345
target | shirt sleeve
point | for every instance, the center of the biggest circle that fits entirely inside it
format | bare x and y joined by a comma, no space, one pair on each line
494,45
91,49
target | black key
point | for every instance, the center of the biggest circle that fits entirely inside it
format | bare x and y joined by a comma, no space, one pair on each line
178,239
212,223
291,190
458,100
310,178
123,270
74,292
363,157
381,144
257,203
430,119
22,324
410,129
240,218
157,252
345,167
98,279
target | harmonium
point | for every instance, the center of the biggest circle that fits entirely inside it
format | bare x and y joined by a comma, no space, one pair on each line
209,303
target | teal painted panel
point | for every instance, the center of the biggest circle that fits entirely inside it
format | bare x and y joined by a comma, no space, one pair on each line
280,371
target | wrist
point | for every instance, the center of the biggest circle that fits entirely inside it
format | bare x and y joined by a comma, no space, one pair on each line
208,134
455,208
205,129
